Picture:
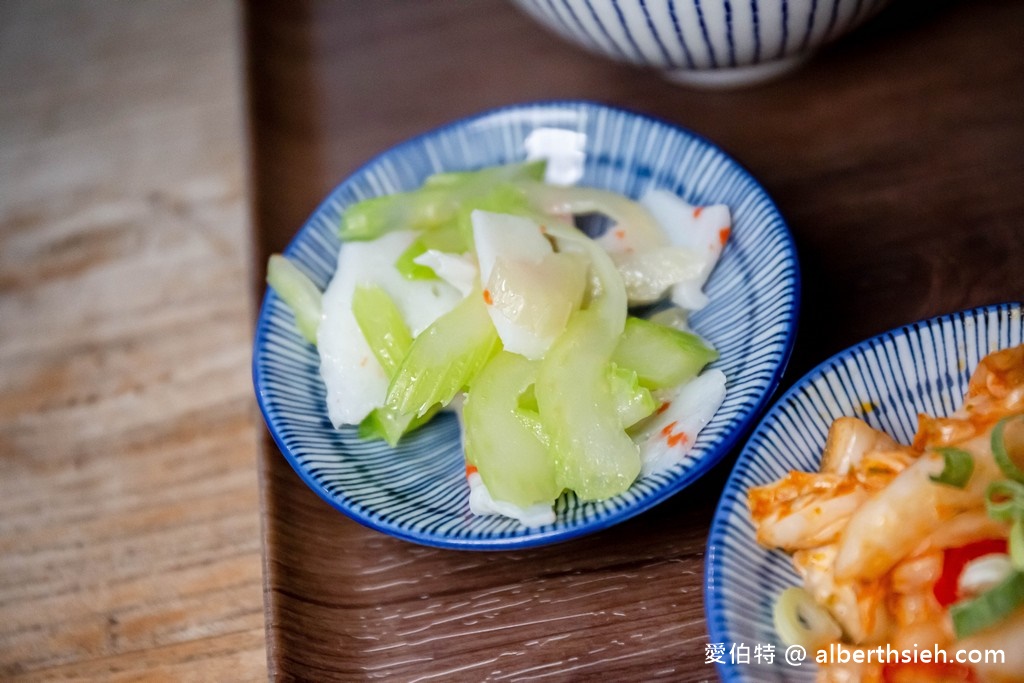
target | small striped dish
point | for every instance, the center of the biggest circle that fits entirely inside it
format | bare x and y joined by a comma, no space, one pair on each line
703,42
887,381
418,491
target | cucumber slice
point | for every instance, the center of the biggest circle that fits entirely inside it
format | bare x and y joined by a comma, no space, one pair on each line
444,358
512,460
299,292
662,356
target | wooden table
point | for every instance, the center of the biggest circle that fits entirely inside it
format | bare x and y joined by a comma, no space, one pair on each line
130,525
129,513
897,158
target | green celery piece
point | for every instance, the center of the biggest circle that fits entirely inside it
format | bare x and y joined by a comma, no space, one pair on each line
384,423
382,326
389,338
610,302
560,200
299,292
512,461
528,400
662,356
437,202
447,237
504,198
407,266
632,401
527,413
444,358
529,170
416,210
593,454
530,419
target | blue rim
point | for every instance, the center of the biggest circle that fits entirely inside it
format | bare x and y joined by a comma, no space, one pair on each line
714,609
708,460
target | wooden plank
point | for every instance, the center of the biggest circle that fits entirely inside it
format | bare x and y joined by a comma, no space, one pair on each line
895,156
129,526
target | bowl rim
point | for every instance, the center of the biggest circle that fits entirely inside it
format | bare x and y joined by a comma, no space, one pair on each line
711,458
714,608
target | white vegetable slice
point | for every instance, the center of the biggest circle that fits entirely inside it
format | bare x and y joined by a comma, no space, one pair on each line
562,149
355,382
513,238
530,303
702,229
458,270
668,436
481,503
529,289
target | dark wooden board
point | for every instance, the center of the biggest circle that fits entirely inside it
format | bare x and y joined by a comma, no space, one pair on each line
897,157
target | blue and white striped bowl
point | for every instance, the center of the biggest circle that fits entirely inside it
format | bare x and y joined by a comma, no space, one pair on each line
704,43
418,491
887,381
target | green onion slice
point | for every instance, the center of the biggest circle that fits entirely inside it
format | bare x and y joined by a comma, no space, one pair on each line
799,620
1002,453
959,465
989,608
1004,500
1016,544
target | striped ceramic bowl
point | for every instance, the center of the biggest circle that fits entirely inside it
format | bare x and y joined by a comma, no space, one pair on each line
887,381
704,43
418,490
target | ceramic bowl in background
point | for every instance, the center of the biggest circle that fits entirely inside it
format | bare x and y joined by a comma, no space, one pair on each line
887,381
704,43
418,490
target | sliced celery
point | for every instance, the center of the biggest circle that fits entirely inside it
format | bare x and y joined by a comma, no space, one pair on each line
444,358
526,412
407,266
505,198
530,419
389,338
446,237
512,460
662,356
528,400
593,454
529,170
439,200
384,423
632,401
299,292
381,323
417,210
561,200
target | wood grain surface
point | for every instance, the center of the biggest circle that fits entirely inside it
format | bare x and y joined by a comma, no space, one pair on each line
129,518
896,156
